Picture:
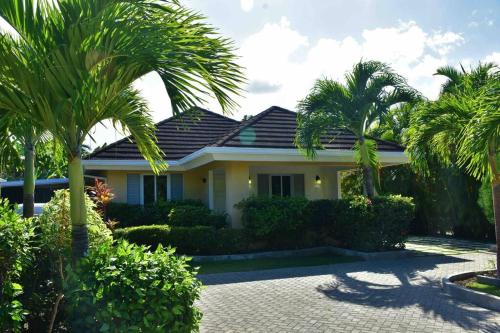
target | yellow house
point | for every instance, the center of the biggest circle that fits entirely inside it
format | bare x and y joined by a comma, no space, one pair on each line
221,161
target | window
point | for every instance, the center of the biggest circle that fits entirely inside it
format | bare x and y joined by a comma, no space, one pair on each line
148,193
152,188
280,185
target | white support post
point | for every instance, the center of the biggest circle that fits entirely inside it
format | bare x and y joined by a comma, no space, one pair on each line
211,189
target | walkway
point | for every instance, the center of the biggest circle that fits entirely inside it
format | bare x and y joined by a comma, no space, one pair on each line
380,296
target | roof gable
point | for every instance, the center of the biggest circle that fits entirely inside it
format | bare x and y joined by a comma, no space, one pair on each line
182,135
276,128
177,136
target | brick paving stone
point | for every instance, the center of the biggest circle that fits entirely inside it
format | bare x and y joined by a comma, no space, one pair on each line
402,295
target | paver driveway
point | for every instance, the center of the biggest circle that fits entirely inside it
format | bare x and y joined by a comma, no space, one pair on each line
401,295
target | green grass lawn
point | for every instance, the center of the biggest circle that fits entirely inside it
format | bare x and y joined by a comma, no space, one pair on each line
485,288
270,263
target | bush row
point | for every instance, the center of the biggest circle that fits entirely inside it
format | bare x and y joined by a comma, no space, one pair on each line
288,223
180,213
197,240
117,287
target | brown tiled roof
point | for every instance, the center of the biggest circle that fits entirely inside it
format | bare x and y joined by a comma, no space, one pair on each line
272,128
177,136
276,127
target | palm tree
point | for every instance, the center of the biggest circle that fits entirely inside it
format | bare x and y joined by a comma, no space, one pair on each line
371,89
463,127
25,133
85,54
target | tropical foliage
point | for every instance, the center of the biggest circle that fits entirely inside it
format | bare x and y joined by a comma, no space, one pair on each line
16,256
81,58
370,90
463,127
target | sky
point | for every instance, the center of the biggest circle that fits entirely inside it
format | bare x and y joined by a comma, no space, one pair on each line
285,45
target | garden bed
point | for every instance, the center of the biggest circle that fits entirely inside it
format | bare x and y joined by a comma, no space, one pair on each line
467,287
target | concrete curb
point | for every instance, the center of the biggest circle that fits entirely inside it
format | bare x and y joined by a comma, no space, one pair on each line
368,256
468,295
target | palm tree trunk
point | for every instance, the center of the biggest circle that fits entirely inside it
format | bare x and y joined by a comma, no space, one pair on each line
496,214
368,187
495,192
29,179
78,212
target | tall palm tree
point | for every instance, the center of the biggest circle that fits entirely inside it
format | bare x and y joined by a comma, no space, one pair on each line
84,56
463,127
371,89
25,133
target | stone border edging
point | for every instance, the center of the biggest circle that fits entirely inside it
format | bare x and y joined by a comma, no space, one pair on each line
484,279
481,299
385,255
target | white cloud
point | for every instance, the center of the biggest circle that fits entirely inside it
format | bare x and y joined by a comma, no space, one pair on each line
268,56
246,5
493,57
473,24
445,42
282,63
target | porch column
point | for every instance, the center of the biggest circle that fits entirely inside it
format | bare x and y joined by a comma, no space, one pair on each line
236,190
211,189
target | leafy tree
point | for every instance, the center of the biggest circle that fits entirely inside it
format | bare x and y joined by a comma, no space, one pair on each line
26,151
463,127
371,89
85,54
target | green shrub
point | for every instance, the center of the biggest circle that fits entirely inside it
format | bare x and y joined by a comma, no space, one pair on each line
135,215
198,240
272,219
189,216
320,214
193,240
55,225
126,288
16,255
53,254
229,241
381,224
127,215
186,240
150,235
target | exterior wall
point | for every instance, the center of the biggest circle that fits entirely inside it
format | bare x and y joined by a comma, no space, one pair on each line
237,175
194,185
236,190
328,189
117,181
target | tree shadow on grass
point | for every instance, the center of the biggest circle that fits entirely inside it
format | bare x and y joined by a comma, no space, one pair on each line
410,286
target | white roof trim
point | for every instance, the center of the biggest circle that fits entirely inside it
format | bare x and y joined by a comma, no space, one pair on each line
210,154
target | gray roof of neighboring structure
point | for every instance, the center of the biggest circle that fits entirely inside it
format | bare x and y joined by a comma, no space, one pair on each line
272,128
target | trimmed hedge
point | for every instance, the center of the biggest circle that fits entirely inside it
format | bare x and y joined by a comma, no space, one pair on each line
180,213
272,218
355,222
290,223
373,225
190,216
197,240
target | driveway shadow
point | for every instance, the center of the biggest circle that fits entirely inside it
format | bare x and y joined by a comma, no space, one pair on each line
410,286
